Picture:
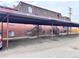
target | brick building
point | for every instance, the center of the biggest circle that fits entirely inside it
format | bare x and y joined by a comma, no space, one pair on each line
29,29
14,29
38,11
31,9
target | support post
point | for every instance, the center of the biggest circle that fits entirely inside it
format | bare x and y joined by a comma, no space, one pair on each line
2,28
2,31
7,45
37,31
52,32
67,30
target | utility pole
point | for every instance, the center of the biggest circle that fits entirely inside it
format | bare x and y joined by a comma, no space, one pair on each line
70,13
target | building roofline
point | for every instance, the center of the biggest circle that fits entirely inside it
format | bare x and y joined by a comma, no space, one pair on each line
38,7
8,8
65,17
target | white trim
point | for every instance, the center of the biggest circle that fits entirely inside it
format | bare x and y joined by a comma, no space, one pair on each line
30,9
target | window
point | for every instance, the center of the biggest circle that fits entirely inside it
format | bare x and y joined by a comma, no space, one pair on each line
58,15
30,9
11,33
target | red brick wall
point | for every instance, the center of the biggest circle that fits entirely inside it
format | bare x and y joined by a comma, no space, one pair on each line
22,29
19,29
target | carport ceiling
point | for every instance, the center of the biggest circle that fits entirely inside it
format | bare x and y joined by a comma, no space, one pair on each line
25,19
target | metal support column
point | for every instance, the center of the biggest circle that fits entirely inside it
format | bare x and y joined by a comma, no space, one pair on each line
67,30
52,32
7,45
37,31
2,31
2,28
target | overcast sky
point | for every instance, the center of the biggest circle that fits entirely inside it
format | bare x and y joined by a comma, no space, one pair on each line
58,6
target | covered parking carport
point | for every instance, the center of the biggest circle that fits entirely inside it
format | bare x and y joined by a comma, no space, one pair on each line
22,18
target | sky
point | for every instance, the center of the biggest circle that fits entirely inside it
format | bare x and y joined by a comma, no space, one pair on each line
58,6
